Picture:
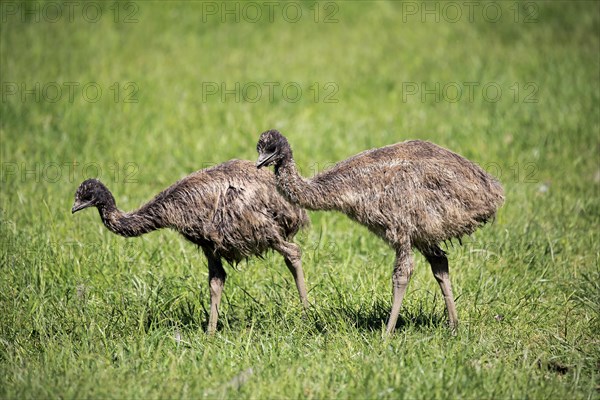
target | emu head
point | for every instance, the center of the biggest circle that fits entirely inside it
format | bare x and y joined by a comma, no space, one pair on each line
272,148
91,193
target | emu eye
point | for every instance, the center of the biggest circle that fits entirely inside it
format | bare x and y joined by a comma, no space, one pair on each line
271,148
85,196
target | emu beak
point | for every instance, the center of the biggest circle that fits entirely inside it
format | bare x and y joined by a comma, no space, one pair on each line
79,206
263,159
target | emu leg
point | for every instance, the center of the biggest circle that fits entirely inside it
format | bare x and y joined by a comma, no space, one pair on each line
216,282
439,266
293,260
400,278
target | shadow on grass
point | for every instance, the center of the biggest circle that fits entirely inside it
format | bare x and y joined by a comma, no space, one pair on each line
184,315
372,318
189,316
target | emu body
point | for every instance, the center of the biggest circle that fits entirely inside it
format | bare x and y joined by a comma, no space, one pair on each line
413,194
232,211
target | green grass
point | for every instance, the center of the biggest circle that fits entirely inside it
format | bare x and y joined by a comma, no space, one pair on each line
87,314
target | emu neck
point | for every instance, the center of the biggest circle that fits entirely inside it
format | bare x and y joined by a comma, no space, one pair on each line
131,224
297,189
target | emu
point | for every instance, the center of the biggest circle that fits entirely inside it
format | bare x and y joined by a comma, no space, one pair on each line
412,194
232,211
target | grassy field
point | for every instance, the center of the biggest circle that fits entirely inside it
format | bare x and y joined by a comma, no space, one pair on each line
139,94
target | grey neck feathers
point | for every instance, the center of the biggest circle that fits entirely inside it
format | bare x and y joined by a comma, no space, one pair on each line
299,190
131,224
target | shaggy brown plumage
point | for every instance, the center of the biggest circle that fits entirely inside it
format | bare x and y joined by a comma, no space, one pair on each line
232,211
411,194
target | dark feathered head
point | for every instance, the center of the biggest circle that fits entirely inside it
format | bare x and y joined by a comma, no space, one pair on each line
272,147
91,193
